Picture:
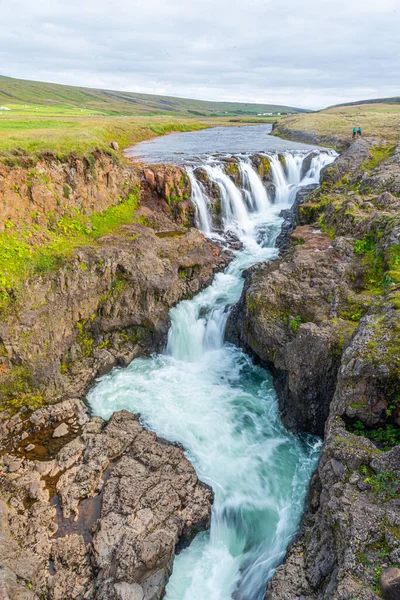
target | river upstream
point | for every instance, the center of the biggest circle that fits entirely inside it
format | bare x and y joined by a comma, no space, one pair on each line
207,394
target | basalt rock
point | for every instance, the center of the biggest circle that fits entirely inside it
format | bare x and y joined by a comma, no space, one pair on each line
290,215
325,319
213,193
166,188
99,515
107,306
262,165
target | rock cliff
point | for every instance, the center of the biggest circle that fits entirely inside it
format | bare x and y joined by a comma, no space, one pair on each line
90,509
324,318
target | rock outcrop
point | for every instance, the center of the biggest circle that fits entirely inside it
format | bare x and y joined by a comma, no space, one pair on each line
88,509
325,319
106,306
96,515
309,137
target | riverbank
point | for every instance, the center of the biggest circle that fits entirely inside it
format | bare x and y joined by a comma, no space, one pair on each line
333,127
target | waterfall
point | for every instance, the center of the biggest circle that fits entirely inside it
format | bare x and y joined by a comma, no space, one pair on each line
254,189
207,395
234,212
200,200
242,207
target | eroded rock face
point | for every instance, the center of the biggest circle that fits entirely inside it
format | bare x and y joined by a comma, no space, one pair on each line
325,319
98,517
167,188
106,307
28,194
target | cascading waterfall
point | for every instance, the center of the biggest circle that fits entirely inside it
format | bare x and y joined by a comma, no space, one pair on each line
209,396
254,190
203,216
233,207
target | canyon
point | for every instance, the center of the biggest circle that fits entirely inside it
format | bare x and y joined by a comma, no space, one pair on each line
93,504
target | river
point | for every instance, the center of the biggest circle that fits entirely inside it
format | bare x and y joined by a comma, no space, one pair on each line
209,396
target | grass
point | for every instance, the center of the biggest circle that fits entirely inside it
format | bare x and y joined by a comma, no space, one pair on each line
20,258
376,120
44,117
33,94
29,136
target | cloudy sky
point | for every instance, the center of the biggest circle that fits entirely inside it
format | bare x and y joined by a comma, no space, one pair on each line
307,53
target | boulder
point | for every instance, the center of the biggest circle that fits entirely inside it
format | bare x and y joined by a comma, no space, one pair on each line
390,583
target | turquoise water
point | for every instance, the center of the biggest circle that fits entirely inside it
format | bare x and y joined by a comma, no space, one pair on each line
210,397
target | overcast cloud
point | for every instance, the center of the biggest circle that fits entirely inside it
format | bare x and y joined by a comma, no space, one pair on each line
304,53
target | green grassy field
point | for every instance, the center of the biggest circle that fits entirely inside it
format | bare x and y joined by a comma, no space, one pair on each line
30,136
33,94
377,120
42,117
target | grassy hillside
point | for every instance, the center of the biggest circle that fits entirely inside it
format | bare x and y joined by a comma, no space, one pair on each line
376,120
395,100
108,102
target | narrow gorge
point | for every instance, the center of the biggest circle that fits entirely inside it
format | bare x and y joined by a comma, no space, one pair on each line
173,387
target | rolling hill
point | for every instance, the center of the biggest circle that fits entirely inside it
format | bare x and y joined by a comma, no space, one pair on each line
109,102
395,100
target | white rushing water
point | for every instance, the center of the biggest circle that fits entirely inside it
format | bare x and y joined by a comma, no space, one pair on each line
209,396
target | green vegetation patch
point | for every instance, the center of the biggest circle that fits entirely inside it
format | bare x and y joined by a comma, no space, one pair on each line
20,258
385,484
378,155
373,262
295,323
385,437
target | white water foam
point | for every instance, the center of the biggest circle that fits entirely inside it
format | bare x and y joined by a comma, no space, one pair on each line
207,395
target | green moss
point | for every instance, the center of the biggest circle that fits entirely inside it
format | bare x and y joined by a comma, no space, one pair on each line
85,338
385,484
115,291
20,258
325,228
355,309
104,344
373,262
19,391
66,191
30,401
231,168
64,367
217,207
365,245
378,155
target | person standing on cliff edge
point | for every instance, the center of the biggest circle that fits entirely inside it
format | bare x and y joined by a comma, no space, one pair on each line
359,131
354,132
